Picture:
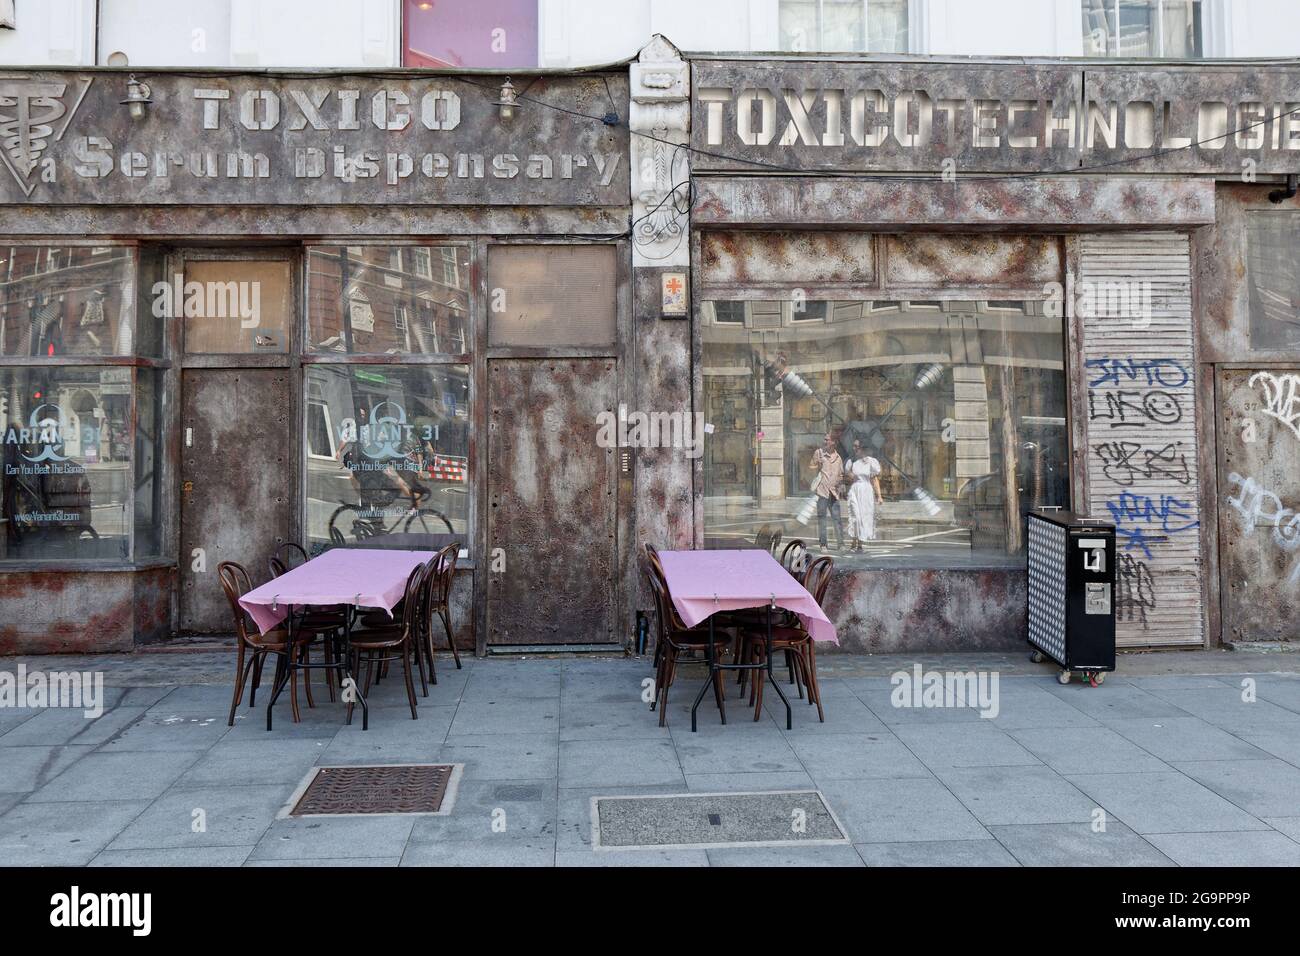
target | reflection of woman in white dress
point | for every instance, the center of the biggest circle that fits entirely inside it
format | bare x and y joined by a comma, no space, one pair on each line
864,494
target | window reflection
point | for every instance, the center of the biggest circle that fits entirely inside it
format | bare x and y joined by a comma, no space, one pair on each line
67,445
65,300
902,432
387,452
388,300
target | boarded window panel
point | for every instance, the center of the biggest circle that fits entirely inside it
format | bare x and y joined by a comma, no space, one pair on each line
244,306
1274,281
548,296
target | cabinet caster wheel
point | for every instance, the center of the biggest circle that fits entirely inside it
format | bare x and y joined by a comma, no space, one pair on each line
1036,657
1097,678
1063,677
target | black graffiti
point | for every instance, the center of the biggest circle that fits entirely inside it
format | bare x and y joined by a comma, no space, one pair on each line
1135,591
1125,462
1134,408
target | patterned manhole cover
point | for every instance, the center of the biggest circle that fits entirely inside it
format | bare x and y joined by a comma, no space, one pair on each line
714,820
402,788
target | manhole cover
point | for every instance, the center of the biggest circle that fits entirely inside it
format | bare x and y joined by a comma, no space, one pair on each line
714,820
400,788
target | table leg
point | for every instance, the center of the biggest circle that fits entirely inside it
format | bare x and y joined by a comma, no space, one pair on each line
711,679
346,659
789,714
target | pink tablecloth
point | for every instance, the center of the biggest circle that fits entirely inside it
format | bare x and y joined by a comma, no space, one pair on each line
705,582
362,576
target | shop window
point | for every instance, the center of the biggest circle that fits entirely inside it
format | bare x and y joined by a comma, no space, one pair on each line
1273,282
955,409
66,301
488,34
843,26
550,296
1142,28
233,306
67,434
387,455
363,299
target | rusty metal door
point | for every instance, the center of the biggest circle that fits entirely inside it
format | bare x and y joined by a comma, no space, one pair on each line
552,503
236,472
1259,502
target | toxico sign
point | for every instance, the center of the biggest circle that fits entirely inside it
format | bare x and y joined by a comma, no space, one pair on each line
992,117
309,139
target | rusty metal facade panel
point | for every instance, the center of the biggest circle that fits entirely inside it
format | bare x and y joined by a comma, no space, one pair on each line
235,503
792,259
1033,204
980,260
1224,269
267,138
1140,368
1259,492
552,505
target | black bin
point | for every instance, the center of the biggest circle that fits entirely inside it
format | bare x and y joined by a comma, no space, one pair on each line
1071,566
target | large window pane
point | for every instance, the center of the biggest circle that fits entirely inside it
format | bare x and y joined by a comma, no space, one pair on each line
1142,28
387,455
552,295
388,300
66,300
954,412
67,446
1273,281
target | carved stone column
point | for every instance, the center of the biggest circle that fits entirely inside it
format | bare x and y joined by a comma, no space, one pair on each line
660,120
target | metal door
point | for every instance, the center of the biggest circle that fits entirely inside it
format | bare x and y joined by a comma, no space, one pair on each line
236,475
1259,502
552,501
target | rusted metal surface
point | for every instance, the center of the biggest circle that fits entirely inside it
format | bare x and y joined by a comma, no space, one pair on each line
235,502
661,477
63,611
240,222
411,788
552,503
1259,502
883,612
796,259
232,138
1224,279
979,259
1041,204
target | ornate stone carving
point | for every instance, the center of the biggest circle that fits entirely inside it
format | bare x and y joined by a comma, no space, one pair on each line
660,120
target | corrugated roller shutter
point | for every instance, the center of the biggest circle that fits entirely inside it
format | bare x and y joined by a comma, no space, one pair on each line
1141,380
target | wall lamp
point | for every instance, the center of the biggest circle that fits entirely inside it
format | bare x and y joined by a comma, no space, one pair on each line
508,101
137,98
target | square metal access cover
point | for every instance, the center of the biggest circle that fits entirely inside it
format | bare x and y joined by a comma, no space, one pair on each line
714,821
388,788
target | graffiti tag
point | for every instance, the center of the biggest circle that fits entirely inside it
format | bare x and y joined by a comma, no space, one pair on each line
1124,462
1153,373
1135,591
1257,505
1281,398
1137,516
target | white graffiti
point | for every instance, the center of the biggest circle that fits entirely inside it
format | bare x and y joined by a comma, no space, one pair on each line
1281,398
1256,505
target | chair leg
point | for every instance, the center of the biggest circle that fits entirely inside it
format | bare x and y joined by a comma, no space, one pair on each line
445,614
305,658
670,662
760,678
812,676
329,659
406,673
370,671
293,685
241,675
259,658
418,652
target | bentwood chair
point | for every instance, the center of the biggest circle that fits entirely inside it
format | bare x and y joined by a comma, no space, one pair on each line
677,639
236,583
325,622
440,595
393,642
795,640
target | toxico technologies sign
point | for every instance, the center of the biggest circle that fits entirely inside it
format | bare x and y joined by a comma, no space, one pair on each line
992,117
231,138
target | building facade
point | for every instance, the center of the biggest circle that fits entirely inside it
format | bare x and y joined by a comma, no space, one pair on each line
241,309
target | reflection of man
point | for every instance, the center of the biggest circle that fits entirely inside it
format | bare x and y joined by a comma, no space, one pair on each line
830,475
378,483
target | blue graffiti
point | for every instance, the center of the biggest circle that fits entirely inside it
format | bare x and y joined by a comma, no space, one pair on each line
1142,520
1156,372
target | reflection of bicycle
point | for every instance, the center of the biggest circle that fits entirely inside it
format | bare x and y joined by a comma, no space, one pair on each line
367,520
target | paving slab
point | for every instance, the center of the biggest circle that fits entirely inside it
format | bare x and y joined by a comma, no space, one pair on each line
857,757
1256,848
619,763
1078,844
1265,788
1174,739
23,769
1006,795
937,853
63,834
1094,749
184,856
204,816
1164,803
963,745
900,810
116,776
361,837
